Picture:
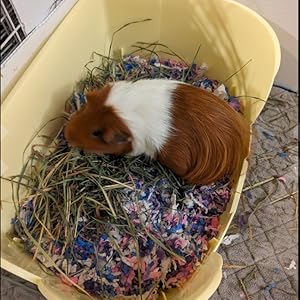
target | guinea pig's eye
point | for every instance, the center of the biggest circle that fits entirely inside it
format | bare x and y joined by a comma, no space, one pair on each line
98,133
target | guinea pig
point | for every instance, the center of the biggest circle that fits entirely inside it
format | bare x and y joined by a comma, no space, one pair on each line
198,136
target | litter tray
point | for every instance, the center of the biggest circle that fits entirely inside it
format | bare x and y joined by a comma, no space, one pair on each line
230,34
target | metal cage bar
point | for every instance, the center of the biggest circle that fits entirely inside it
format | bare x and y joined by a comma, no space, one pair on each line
12,33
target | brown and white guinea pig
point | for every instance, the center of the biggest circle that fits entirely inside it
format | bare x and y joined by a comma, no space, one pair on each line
198,136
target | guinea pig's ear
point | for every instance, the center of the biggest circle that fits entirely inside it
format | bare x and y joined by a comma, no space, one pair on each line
97,96
111,136
92,97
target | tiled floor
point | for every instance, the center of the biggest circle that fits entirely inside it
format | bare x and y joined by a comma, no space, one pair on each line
265,253
257,265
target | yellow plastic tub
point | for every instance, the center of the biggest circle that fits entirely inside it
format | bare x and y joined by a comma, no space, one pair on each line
230,35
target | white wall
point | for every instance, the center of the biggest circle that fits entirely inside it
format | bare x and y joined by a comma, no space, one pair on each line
32,12
282,15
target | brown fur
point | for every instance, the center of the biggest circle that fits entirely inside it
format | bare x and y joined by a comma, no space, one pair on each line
112,134
210,140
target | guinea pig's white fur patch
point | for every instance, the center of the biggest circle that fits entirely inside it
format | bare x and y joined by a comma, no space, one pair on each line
145,106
